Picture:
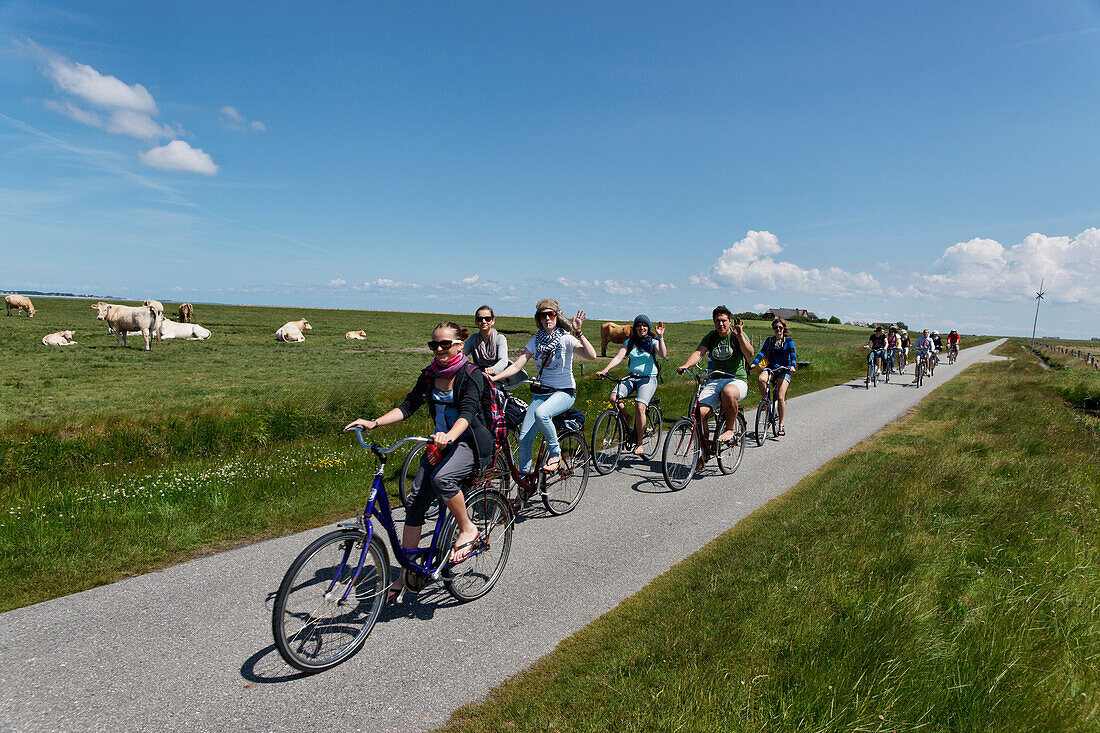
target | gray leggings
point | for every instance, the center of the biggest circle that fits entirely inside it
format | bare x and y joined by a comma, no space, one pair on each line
443,478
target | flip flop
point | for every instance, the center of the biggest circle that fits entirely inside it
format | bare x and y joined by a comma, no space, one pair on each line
463,546
557,464
781,431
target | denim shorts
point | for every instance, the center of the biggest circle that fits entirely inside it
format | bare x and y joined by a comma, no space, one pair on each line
712,391
644,387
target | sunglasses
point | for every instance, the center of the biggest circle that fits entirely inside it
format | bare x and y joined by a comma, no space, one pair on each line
544,314
483,319
433,345
777,328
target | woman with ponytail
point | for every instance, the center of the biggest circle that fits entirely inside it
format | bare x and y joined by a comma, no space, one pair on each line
643,349
453,390
552,350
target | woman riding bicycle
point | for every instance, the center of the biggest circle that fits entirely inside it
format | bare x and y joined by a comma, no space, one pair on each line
454,392
487,349
552,348
779,352
925,349
728,351
893,343
643,350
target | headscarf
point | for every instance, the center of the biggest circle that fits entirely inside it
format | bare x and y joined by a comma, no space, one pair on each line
486,351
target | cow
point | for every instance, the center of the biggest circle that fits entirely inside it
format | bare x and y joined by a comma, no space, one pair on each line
612,333
19,303
292,331
187,312
169,329
357,335
61,338
160,314
124,318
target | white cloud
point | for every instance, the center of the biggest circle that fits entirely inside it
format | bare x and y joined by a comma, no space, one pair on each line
338,282
96,89
179,156
983,269
139,125
232,119
386,283
73,112
749,265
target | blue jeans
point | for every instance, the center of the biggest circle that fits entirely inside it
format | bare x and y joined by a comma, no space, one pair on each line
542,410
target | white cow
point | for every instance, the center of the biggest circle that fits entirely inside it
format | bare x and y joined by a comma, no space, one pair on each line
292,331
357,335
61,338
124,318
160,313
169,329
19,303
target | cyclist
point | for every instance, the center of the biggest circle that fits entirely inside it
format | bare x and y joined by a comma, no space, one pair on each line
877,344
893,343
456,396
728,351
953,343
925,349
552,348
938,344
778,351
488,349
642,349
905,344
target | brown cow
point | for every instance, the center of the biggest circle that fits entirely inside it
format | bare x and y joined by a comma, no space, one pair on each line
187,312
612,333
19,303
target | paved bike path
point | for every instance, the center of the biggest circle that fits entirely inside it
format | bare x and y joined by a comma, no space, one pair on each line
189,647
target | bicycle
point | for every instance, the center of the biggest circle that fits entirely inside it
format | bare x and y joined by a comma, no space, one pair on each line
687,437
920,367
612,433
767,414
933,362
952,353
872,373
560,490
331,596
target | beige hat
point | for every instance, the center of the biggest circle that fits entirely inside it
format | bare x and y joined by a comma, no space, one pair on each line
551,304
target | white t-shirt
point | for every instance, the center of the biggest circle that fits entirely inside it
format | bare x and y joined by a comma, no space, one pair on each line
558,371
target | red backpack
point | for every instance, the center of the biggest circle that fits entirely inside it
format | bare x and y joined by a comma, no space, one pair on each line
492,409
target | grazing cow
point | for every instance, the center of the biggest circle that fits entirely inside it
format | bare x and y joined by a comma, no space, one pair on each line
187,312
61,338
19,303
357,335
124,318
292,331
612,333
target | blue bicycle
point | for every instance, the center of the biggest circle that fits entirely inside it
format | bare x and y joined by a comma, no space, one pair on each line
331,596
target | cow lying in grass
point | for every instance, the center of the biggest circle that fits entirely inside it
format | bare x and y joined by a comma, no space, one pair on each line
292,332
61,338
169,329
124,318
357,335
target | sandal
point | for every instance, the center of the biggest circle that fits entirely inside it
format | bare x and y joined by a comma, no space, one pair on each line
781,431
396,593
555,460
463,546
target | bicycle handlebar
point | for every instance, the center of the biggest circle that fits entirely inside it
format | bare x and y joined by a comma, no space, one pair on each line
379,450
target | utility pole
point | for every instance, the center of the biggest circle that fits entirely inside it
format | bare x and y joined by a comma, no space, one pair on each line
1038,297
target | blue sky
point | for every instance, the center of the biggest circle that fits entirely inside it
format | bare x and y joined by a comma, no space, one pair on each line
925,162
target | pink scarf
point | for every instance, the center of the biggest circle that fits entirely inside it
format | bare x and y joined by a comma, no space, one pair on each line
448,368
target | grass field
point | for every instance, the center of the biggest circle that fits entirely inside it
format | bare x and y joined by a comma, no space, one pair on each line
941,576
114,461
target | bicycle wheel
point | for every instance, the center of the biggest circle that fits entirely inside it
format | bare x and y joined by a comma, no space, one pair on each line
774,421
405,478
919,373
731,453
314,626
562,490
607,441
886,373
651,438
867,382
475,576
680,455
762,422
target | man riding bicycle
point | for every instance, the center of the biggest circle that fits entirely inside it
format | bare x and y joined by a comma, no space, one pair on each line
925,349
893,344
953,343
728,351
877,344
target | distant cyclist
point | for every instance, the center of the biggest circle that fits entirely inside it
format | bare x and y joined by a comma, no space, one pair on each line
925,349
642,348
779,352
728,351
877,344
893,343
938,343
953,343
905,343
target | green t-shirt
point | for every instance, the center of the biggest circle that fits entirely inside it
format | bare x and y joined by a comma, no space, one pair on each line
725,355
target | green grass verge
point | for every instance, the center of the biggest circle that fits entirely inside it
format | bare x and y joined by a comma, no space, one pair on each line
941,576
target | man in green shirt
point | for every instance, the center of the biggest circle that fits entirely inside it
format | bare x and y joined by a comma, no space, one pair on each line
728,350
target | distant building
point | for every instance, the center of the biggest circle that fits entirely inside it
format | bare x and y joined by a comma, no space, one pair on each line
788,313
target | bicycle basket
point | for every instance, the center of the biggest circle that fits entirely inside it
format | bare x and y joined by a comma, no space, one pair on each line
570,420
514,412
